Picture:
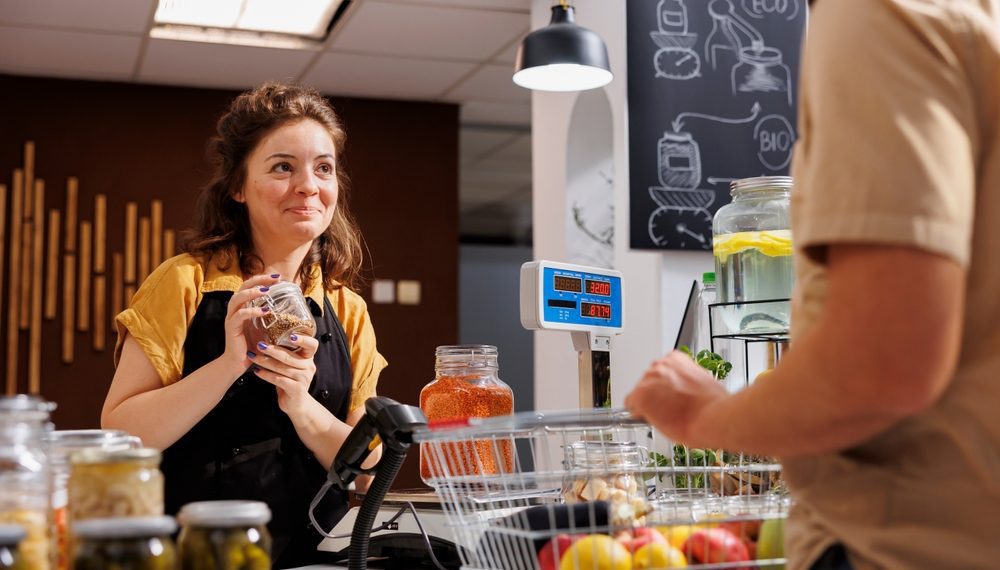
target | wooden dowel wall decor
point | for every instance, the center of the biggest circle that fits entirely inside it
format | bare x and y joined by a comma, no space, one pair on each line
116,285
156,233
131,221
52,266
168,244
100,332
27,234
100,232
3,234
13,296
83,287
37,289
69,271
29,177
143,250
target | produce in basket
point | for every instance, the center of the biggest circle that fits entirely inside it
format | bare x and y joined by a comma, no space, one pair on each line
715,546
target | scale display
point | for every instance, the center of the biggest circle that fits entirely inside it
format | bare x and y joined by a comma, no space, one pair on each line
570,297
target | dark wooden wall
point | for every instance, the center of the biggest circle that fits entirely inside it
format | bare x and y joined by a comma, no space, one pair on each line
140,142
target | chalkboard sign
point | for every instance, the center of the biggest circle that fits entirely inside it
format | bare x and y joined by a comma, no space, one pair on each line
711,93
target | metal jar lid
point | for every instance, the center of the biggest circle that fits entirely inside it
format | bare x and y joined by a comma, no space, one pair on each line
125,527
225,514
783,183
94,455
26,407
607,454
11,534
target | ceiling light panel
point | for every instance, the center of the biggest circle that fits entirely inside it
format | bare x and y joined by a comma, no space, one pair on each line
305,18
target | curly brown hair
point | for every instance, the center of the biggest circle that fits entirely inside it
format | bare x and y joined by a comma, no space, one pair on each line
222,226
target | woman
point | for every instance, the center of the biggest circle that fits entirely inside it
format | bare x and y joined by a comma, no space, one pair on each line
255,422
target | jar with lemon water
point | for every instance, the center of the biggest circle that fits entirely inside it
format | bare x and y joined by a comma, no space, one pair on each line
752,245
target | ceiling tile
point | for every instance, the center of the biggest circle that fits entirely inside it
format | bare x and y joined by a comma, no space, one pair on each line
483,113
509,55
474,143
428,31
108,15
519,149
218,65
490,82
67,54
386,77
513,5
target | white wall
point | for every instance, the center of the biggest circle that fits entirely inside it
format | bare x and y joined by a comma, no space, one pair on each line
656,284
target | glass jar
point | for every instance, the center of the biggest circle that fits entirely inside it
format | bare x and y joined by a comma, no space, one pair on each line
288,313
11,536
118,483
607,471
466,385
224,534
62,443
132,543
752,245
25,474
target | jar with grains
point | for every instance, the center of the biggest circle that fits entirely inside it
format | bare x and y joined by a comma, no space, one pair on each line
229,535
11,536
25,474
607,471
287,314
132,543
118,483
466,385
62,443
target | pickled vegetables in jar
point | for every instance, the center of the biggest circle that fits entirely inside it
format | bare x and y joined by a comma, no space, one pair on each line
135,543
224,535
115,483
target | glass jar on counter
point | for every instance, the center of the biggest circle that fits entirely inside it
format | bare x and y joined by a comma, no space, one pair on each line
607,471
62,443
132,543
11,536
224,534
288,313
466,385
752,245
115,483
25,474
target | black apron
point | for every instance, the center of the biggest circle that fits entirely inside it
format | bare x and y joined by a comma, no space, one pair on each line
247,448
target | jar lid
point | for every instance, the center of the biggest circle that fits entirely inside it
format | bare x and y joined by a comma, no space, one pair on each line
761,183
97,455
224,513
80,438
604,454
125,527
708,277
24,404
11,534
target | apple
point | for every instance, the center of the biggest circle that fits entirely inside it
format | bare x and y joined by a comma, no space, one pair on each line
747,531
551,554
640,537
715,545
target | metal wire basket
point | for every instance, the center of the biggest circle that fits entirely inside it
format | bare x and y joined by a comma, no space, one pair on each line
510,485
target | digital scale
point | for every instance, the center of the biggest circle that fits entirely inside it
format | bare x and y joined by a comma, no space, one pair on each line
584,301
587,303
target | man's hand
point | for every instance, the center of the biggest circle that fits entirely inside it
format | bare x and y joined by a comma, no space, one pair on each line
671,395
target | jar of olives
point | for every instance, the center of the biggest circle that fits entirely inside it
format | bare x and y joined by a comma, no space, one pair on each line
224,534
11,536
135,543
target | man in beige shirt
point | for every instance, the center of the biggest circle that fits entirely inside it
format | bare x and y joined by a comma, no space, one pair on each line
886,411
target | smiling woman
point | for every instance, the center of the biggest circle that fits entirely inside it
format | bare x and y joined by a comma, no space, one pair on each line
264,421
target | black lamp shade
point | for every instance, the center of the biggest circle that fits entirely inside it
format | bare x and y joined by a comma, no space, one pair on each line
562,56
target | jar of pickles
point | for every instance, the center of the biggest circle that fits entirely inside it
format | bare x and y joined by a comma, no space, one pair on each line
11,536
25,495
287,314
115,483
230,535
752,245
466,385
133,543
63,443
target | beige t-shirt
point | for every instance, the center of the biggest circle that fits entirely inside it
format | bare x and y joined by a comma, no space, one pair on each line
901,145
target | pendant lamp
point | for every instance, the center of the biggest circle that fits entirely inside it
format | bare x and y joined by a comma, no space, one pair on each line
562,56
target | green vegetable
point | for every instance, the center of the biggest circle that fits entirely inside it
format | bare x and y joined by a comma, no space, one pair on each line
718,366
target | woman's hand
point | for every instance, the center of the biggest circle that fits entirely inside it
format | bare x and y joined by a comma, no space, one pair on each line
238,313
291,372
671,395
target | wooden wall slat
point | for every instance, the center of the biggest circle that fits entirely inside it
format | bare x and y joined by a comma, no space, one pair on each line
27,234
100,325
100,232
156,233
13,296
72,188
143,250
116,285
29,178
83,279
69,306
52,266
168,244
37,289
3,234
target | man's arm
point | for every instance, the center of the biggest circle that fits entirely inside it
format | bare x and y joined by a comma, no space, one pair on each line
884,349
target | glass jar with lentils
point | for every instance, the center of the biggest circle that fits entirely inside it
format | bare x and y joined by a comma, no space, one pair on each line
287,314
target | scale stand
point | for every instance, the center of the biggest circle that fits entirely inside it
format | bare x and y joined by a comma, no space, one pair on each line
587,303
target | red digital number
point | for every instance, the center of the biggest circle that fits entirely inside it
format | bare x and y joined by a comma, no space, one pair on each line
599,288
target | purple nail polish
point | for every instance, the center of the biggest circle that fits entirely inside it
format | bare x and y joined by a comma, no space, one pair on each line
264,289
293,337
262,345
265,309
250,354
256,368
275,275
